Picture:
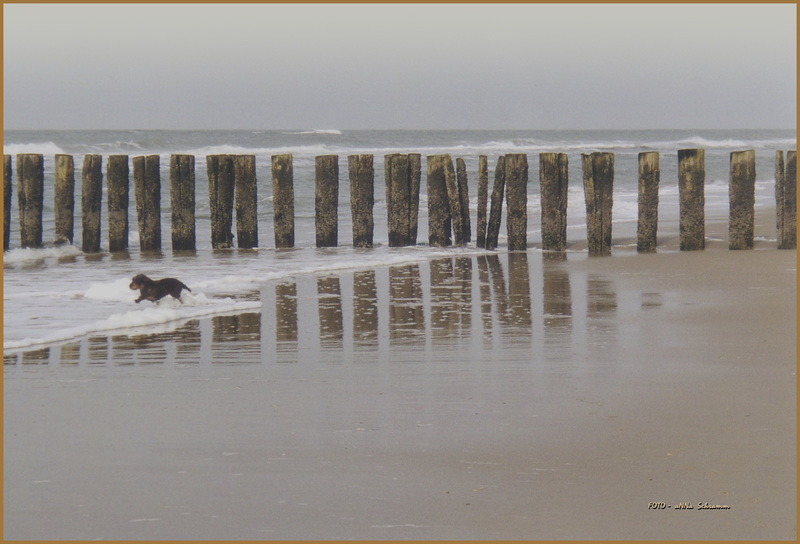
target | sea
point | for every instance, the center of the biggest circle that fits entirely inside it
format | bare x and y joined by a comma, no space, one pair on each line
57,295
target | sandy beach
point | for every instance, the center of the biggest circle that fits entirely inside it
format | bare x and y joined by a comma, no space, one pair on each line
503,396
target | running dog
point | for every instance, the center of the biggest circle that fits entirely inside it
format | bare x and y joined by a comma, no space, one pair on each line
155,290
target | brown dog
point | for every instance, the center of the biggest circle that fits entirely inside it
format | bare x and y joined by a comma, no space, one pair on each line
156,289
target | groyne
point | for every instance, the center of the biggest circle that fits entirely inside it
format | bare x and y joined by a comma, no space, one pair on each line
233,185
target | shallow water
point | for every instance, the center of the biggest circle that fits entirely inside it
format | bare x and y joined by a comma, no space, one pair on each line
57,294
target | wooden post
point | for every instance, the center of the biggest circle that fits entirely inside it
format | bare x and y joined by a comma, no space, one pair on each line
463,197
91,201
415,176
553,184
649,178
362,198
496,209
439,219
64,201
283,200
517,201
246,199
483,198
398,198
598,187
326,200
787,237
182,202
221,178
691,193
454,200
7,178
30,194
118,187
780,179
742,196
147,190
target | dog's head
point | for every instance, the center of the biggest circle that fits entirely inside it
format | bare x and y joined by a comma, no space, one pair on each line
138,282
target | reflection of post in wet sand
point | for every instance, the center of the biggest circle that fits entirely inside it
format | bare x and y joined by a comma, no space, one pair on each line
485,288
451,298
601,305
188,342
463,294
602,298
519,292
286,316
443,308
498,283
365,309
557,295
406,318
98,350
242,329
70,354
329,300
145,348
36,357
152,348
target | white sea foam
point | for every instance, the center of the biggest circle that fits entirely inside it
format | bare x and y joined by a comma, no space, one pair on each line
320,131
44,148
26,256
166,311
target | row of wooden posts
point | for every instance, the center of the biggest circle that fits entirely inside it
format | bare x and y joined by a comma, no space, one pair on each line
232,185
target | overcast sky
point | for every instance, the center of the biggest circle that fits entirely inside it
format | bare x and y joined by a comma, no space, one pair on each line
513,66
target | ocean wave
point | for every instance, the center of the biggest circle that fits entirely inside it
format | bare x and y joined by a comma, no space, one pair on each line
26,256
166,311
43,148
320,131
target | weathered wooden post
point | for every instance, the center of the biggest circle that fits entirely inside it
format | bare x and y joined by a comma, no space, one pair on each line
283,200
463,197
64,201
742,197
517,201
483,199
182,202
454,199
415,176
91,202
691,194
362,198
780,179
118,188
246,198
30,195
221,179
7,178
598,187
326,200
787,237
398,198
439,219
147,190
496,208
553,184
649,178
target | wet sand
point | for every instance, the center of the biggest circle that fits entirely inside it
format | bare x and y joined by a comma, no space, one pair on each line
513,396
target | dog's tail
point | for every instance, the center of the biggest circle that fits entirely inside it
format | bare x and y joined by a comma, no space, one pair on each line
184,286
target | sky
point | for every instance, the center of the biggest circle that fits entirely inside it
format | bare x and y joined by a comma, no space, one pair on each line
399,66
